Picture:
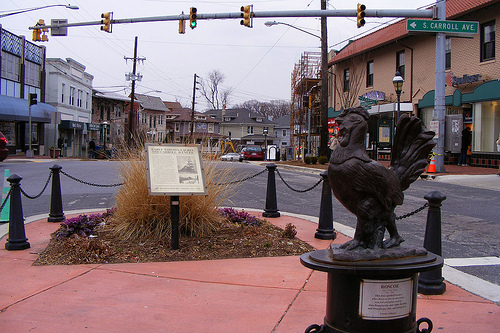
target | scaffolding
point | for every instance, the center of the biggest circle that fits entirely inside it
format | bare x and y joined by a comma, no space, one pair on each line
305,123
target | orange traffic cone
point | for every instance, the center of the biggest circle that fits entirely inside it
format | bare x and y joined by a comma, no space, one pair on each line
432,166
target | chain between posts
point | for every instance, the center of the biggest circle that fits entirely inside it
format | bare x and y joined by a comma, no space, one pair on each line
414,212
299,191
39,194
89,183
241,180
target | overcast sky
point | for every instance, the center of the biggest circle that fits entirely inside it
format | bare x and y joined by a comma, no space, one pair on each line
256,62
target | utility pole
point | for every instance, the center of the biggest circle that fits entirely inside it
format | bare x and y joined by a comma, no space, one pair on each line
323,143
132,119
192,109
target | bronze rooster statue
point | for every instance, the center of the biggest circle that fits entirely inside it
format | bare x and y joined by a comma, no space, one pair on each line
368,189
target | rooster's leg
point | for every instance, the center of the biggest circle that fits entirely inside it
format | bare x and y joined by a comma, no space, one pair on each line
395,239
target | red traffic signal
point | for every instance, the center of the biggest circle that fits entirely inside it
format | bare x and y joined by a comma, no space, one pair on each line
247,15
360,15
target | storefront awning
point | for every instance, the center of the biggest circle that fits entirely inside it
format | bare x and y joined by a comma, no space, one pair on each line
17,109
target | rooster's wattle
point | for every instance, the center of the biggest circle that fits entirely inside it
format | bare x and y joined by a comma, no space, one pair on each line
367,188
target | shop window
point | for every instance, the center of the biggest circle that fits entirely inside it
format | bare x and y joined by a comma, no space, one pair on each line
347,77
400,63
488,41
486,126
369,73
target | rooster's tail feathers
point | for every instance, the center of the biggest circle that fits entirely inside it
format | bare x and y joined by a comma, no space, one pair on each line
411,148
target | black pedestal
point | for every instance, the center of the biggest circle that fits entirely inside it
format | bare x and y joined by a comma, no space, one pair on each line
371,296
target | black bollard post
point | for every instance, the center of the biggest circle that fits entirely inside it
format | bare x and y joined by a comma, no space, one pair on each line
174,220
271,209
56,213
432,282
17,236
325,226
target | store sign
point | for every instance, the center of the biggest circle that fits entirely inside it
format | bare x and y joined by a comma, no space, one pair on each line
374,95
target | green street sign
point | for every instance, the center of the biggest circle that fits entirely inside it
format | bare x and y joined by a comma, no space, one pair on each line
457,27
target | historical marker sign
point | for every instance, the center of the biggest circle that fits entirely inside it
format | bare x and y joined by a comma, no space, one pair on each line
175,169
457,27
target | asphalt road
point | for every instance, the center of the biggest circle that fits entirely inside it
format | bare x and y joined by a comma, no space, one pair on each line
470,215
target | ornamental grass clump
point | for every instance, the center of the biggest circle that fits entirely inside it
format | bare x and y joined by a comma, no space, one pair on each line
140,216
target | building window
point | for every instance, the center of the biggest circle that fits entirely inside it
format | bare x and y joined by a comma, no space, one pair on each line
284,132
347,77
63,87
154,122
108,112
87,101
447,50
71,95
150,121
488,41
210,128
249,129
79,102
160,119
369,73
177,127
400,63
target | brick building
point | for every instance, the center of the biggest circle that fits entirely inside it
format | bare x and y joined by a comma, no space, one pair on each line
364,69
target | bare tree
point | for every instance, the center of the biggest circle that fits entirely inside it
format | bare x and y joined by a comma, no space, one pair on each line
212,91
270,110
347,88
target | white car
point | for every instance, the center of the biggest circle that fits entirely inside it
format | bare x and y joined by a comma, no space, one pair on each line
230,157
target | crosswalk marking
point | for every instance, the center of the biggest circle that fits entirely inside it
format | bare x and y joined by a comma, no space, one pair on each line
478,261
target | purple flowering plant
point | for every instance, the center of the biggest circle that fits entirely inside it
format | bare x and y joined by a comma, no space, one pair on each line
83,225
239,216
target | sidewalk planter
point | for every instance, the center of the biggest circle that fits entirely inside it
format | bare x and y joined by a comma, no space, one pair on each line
54,153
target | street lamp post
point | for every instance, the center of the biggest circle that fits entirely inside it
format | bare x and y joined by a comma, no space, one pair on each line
265,131
105,129
323,147
37,8
398,85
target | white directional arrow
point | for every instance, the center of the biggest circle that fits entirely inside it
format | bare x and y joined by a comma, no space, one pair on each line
413,24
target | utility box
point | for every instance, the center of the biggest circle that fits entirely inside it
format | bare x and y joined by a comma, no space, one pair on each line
453,130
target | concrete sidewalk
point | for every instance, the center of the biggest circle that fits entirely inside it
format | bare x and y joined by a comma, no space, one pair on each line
255,295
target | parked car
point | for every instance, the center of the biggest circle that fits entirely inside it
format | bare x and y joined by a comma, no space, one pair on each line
4,152
230,157
253,152
242,154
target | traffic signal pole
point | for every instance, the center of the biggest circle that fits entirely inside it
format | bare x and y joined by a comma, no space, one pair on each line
415,13
439,89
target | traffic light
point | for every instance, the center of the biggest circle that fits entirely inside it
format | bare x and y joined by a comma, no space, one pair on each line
182,26
32,99
192,17
361,15
39,35
247,15
106,21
